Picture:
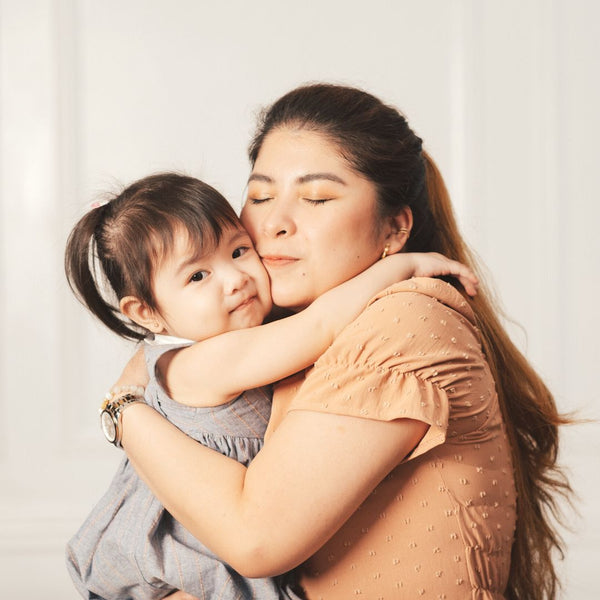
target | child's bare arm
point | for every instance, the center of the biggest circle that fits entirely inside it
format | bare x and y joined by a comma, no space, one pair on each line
227,364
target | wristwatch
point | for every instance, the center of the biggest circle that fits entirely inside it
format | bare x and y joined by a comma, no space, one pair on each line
110,413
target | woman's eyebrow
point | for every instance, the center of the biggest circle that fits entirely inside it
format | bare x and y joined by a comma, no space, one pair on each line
259,177
317,176
302,179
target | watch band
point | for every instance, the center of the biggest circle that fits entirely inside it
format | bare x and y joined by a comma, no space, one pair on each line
110,413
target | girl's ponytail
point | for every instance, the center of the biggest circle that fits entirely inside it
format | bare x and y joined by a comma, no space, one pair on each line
86,276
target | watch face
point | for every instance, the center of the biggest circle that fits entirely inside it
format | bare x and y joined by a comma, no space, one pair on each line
108,426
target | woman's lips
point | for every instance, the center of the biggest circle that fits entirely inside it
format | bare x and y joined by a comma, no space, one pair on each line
277,260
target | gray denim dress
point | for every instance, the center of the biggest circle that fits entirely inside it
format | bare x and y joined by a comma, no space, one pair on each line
130,547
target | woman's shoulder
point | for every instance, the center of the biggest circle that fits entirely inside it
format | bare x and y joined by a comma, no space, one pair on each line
420,293
400,358
417,320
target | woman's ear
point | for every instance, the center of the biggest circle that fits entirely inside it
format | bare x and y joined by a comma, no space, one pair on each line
400,227
139,312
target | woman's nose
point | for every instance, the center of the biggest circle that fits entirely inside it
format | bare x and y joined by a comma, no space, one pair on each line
278,222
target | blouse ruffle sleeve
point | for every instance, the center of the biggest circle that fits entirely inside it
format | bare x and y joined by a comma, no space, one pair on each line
403,357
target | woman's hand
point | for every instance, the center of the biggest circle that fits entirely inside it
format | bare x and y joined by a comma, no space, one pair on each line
432,264
135,372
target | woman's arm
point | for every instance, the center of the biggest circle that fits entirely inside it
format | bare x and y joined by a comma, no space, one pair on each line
312,475
135,371
318,466
267,353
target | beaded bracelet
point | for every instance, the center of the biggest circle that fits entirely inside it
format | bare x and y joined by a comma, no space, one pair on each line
119,390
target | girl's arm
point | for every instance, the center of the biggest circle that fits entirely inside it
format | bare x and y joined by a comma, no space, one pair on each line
267,353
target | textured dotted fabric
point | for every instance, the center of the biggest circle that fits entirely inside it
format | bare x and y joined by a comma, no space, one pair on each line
441,525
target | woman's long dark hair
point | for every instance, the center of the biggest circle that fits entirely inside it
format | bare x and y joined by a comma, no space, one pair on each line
378,143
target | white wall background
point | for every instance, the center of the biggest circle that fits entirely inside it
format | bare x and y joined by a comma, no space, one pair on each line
505,94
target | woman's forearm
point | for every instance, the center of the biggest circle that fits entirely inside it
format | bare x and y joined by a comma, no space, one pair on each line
315,469
204,491
177,468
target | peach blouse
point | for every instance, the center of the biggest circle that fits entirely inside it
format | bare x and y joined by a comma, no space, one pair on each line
441,524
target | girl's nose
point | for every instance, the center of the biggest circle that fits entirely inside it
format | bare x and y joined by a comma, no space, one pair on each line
234,280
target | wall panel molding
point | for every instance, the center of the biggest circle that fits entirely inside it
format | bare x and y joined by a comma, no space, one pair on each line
50,442
505,92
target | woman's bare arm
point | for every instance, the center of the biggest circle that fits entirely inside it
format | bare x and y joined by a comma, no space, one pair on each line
316,469
135,372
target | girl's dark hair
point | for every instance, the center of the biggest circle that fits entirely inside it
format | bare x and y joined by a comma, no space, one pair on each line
114,248
378,143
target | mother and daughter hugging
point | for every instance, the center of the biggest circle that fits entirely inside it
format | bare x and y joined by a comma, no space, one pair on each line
377,435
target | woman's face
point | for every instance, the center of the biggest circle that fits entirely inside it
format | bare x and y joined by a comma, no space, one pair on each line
311,216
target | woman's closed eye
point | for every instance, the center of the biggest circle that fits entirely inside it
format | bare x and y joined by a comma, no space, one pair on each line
317,200
259,200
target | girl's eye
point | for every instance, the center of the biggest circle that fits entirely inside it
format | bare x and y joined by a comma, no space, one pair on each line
239,251
317,200
199,276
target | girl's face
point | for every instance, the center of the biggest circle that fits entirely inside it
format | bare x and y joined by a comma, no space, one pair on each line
202,295
311,216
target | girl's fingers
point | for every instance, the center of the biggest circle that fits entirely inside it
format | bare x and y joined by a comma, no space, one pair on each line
465,275
432,264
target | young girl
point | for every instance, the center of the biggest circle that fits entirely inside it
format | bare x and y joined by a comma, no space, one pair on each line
169,257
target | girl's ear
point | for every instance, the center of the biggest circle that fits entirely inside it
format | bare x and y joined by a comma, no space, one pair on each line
400,226
139,312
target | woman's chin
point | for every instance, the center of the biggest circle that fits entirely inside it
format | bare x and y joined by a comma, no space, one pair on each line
289,301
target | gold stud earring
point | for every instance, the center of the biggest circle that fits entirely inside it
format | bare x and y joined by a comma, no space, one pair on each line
385,251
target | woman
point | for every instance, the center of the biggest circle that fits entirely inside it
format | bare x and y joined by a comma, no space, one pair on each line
418,456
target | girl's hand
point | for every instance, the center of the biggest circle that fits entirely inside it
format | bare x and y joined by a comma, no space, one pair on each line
430,264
